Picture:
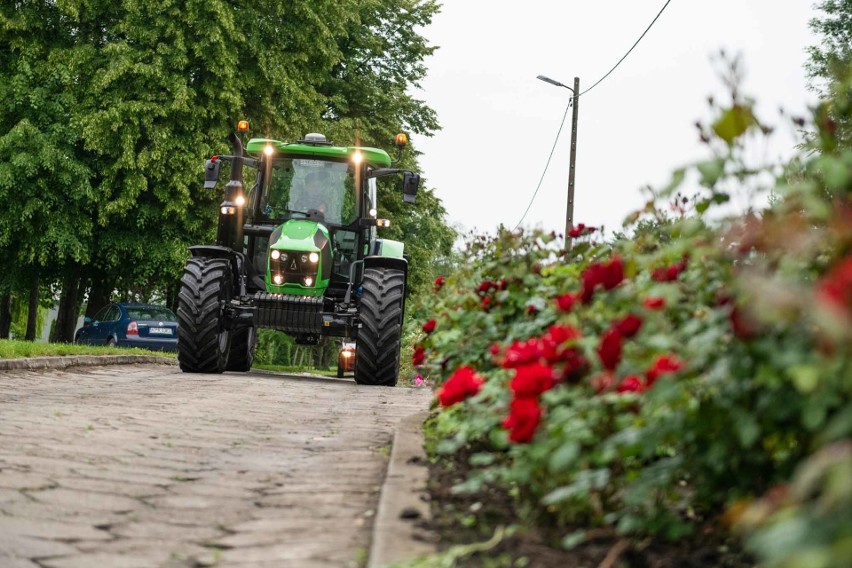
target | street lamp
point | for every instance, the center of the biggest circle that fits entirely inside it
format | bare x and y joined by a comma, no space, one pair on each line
569,213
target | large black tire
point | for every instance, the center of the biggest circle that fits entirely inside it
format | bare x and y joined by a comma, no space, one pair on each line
241,356
380,335
203,338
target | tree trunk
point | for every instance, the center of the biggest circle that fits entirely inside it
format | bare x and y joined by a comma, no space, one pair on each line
5,315
99,296
32,313
69,307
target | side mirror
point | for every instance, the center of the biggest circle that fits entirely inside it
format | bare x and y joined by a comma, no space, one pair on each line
87,320
410,185
211,172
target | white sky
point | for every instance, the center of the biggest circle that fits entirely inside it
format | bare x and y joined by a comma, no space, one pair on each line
635,128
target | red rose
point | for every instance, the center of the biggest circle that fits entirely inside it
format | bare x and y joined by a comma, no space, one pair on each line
494,349
663,365
463,384
486,304
531,310
532,380
669,273
574,366
654,303
631,384
523,420
565,302
609,349
834,290
439,282
743,325
609,275
613,273
503,284
429,326
553,343
591,277
486,287
629,326
522,353
419,355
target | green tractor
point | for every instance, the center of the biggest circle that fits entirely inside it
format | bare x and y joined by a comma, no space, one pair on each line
299,253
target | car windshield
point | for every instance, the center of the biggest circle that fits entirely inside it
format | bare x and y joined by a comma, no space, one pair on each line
307,188
151,314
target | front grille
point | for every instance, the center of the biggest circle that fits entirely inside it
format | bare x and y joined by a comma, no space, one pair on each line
292,268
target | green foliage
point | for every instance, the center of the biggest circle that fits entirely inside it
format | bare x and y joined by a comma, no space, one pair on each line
110,110
753,316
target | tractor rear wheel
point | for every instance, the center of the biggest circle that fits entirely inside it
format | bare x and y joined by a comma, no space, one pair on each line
203,336
380,335
241,356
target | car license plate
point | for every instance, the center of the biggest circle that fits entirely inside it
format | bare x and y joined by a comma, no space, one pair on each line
160,331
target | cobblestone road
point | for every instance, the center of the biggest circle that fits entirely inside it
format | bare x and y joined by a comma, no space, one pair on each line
141,465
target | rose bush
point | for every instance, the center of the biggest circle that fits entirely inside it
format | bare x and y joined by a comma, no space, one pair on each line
667,376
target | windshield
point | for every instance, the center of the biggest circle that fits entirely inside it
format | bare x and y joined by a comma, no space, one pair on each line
150,314
306,188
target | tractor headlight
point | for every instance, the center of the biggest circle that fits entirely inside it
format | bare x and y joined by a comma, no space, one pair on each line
276,254
313,257
309,281
278,279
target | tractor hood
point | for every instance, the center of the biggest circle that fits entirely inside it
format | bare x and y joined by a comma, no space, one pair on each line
299,260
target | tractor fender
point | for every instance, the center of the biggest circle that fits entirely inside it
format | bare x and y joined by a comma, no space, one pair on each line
393,262
237,259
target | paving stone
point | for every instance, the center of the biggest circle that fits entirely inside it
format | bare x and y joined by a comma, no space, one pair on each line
141,465
85,500
41,528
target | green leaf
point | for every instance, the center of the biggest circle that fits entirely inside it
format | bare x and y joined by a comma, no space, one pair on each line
805,377
481,459
734,122
563,457
570,541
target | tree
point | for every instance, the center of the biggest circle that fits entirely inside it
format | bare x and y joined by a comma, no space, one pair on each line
110,109
830,65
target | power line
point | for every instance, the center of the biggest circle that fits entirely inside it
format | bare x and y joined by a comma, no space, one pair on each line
541,179
629,50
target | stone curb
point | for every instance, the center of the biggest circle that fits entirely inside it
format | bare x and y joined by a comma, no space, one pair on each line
397,536
32,363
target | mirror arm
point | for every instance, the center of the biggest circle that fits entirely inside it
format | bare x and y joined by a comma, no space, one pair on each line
383,172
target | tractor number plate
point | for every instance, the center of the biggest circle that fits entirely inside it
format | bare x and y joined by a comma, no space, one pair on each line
160,331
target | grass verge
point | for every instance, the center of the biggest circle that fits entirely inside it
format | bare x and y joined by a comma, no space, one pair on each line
14,349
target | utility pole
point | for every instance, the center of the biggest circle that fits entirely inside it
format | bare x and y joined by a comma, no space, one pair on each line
569,214
575,102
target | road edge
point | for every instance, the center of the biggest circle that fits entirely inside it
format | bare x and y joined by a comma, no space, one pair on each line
397,534
62,362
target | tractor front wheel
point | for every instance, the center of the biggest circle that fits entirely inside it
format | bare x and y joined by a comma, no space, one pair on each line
203,336
241,357
377,354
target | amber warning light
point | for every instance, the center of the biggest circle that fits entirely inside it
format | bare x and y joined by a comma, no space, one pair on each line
243,126
401,140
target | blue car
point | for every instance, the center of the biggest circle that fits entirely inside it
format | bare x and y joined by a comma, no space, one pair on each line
131,325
